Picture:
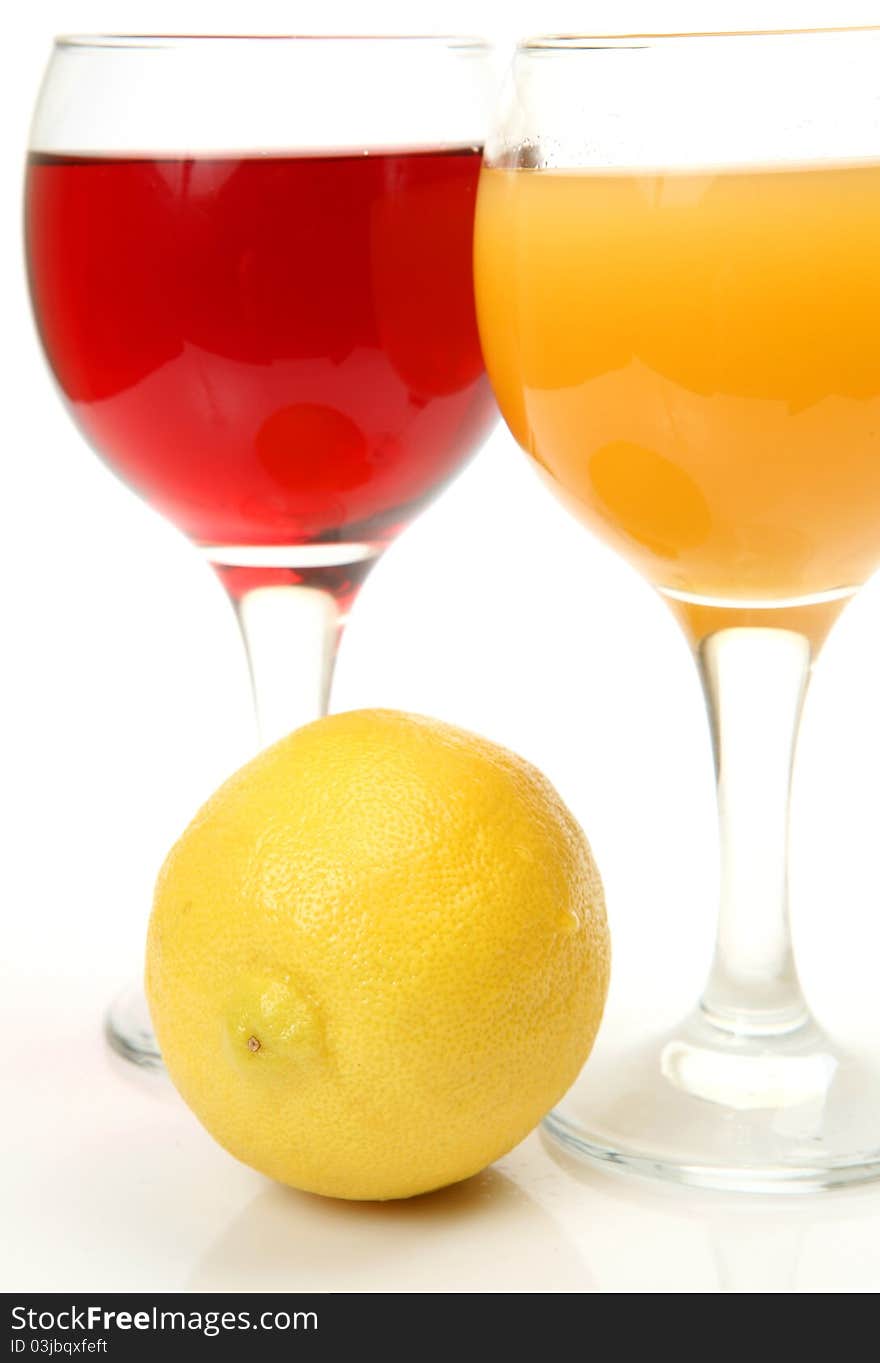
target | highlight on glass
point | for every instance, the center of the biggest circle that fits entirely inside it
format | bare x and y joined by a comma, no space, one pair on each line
678,278
250,262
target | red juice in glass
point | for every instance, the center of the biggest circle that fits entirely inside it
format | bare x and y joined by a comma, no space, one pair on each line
271,349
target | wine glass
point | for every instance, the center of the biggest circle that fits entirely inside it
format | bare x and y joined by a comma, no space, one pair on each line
677,268
250,264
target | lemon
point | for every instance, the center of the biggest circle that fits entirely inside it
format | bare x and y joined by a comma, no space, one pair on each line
377,956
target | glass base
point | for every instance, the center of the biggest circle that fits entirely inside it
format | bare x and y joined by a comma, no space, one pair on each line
713,1109
129,1031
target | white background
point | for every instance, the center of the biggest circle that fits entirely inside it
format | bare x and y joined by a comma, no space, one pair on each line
125,701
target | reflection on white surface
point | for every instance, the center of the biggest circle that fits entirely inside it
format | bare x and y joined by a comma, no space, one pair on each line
690,1241
111,1185
485,1235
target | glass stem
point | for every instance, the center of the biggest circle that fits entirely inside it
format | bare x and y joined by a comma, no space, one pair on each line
291,636
755,681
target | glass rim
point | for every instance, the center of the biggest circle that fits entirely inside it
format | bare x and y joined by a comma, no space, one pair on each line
568,42
452,41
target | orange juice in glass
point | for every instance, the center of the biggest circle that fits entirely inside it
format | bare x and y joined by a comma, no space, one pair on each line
692,359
